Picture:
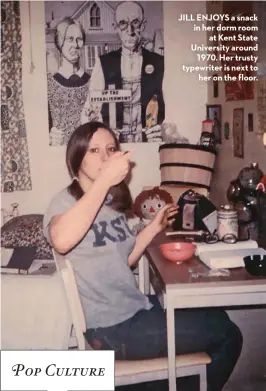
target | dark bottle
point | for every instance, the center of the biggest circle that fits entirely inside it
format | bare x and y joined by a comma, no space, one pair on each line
207,136
244,220
242,192
234,191
250,176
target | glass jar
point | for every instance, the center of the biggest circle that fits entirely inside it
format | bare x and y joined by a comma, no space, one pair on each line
227,222
250,176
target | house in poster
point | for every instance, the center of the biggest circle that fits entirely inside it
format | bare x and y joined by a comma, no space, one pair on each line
96,19
136,88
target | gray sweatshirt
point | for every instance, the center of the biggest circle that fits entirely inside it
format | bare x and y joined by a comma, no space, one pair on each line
107,287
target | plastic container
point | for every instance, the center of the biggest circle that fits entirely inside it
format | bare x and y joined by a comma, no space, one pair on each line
255,265
178,252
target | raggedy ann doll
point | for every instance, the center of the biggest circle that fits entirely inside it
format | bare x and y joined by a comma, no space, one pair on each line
148,203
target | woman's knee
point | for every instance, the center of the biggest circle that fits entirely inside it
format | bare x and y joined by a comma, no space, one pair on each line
229,328
221,329
235,335
227,334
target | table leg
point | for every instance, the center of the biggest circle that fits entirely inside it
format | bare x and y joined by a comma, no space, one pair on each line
144,276
141,274
170,312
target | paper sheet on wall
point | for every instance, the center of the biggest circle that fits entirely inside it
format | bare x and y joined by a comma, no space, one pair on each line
261,98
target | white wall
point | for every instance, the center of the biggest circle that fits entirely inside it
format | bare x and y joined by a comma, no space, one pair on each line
251,366
227,167
185,100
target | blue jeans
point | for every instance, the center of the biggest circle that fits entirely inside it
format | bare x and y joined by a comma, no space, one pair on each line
144,336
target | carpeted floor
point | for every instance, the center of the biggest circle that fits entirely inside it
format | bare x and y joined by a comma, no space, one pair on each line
252,384
184,384
191,384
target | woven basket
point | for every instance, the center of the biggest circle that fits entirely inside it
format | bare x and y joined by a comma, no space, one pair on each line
186,165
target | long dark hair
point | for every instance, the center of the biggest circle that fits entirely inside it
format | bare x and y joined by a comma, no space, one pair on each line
76,149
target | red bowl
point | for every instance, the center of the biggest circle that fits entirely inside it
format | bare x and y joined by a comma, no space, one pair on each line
178,252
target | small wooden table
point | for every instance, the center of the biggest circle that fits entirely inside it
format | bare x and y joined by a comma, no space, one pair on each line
176,288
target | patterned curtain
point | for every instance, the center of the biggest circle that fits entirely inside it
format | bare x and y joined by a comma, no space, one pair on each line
14,155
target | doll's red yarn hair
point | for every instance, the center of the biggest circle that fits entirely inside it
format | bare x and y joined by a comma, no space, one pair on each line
152,193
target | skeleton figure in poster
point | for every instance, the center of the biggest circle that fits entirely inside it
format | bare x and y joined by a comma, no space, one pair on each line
126,84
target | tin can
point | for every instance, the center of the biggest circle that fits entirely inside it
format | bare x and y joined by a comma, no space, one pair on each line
227,222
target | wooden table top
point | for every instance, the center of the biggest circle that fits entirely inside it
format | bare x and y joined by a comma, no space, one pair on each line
170,273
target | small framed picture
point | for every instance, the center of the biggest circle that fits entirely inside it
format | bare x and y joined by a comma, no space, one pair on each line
238,132
250,122
214,112
215,86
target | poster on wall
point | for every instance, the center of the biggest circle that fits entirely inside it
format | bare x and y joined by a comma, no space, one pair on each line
105,62
235,88
238,132
261,105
